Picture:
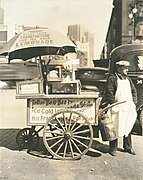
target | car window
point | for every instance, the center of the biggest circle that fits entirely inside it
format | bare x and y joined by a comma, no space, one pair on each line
92,74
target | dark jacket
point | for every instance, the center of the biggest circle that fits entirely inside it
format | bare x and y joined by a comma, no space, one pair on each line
111,87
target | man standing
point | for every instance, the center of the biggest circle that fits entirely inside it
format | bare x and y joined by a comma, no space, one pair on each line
120,87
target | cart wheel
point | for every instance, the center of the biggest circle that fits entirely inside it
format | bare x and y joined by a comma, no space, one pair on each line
70,135
27,138
52,129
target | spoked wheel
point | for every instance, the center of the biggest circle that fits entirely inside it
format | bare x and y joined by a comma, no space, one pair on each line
52,129
73,135
27,138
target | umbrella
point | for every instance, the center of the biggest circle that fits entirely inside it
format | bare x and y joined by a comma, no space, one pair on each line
37,42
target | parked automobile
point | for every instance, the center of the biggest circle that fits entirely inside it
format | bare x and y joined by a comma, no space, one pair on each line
92,79
134,54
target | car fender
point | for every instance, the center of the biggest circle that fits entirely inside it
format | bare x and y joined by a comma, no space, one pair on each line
140,103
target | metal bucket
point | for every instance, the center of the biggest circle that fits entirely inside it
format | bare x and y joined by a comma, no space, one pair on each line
108,126
108,122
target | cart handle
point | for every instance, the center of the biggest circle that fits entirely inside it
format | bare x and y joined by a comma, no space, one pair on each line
110,106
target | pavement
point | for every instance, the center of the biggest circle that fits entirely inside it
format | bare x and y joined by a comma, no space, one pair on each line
97,164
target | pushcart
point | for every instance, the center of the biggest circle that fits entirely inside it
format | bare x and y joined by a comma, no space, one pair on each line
55,103
64,114
66,122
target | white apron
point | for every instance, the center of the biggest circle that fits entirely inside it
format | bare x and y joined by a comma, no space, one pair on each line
126,112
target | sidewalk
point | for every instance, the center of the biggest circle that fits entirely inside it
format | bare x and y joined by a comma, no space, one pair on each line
97,164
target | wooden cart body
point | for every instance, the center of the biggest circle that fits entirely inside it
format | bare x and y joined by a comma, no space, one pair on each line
65,115
39,110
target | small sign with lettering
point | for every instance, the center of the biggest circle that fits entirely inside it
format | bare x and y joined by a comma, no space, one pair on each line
34,38
39,110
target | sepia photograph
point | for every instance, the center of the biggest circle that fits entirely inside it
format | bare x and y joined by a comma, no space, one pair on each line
71,89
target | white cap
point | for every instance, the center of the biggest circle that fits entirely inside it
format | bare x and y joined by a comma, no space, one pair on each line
123,63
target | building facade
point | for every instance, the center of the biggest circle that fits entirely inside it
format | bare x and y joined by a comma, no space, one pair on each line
85,43
1,14
3,28
126,25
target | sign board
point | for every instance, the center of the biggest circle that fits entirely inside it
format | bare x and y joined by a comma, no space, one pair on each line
34,38
39,110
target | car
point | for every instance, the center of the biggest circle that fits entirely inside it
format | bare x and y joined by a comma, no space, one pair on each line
17,70
92,79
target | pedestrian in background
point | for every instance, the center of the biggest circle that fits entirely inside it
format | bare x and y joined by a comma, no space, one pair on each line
120,87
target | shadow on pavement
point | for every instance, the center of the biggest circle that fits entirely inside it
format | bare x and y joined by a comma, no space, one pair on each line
8,140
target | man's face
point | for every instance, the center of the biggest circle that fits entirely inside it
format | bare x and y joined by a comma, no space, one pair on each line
123,70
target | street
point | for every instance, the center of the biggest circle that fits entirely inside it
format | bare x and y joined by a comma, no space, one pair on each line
96,164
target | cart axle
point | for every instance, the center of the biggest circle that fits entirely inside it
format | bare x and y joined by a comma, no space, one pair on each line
68,135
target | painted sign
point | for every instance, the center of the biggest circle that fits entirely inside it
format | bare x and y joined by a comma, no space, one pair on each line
34,38
39,110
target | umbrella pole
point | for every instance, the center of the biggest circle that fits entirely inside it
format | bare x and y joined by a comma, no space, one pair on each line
8,59
43,73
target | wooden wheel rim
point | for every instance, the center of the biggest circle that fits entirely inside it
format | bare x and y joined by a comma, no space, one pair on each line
68,135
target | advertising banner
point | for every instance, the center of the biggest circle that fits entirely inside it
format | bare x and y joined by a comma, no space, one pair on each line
39,110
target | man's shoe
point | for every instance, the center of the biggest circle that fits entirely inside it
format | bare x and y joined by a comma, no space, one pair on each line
131,151
113,153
